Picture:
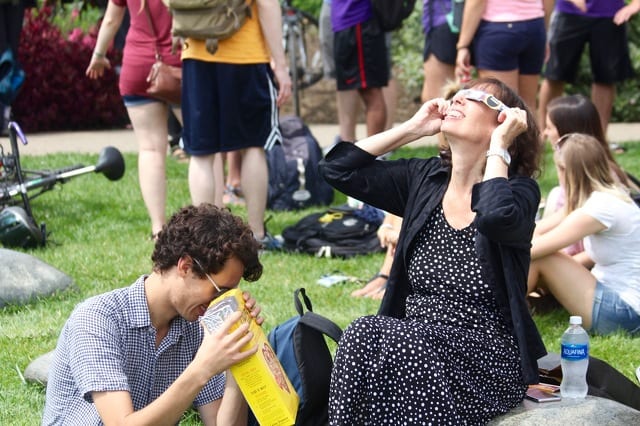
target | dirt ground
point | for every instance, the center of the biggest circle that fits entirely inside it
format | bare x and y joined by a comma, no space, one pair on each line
318,104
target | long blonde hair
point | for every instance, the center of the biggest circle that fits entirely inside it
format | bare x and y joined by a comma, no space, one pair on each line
587,170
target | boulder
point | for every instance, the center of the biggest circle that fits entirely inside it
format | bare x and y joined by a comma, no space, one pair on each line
24,277
589,411
38,370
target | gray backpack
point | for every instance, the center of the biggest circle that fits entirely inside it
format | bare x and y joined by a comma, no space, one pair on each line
209,20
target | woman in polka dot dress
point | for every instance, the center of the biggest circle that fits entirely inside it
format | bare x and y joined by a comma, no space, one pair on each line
454,342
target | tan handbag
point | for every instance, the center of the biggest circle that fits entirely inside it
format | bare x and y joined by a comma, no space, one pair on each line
165,81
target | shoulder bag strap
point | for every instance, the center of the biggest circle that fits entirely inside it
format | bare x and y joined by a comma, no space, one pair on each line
153,29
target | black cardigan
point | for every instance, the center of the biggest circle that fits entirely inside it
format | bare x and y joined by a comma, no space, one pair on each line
505,219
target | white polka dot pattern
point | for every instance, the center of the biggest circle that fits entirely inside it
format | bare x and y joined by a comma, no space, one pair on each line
450,361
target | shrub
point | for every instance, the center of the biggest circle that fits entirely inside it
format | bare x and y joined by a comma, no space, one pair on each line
310,6
56,94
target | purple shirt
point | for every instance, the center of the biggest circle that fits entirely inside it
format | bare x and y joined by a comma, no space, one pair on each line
434,13
595,8
347,13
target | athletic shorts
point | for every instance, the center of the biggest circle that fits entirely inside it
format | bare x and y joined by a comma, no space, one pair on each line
441,42
361,57
226,107
608,49
507,46
611,313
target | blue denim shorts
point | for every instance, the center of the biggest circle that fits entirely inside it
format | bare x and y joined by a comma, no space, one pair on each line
135,100
611,313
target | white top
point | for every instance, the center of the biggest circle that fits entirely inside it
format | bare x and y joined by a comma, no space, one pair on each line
615,250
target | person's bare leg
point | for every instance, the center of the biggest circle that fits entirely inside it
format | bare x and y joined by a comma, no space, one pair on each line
390,94
234,162
375,110
528,89
255,177
218,179
233,188
436,76
571,284
602,96
549,90
206,179
149,122
348,106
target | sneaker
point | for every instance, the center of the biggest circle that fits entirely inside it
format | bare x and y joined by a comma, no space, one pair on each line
233,195
271,243
638,373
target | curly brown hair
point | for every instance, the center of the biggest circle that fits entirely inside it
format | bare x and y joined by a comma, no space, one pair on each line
211,235
526,149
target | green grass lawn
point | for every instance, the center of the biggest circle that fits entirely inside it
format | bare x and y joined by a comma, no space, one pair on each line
99,235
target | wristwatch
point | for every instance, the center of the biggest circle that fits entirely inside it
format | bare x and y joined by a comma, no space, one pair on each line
502,153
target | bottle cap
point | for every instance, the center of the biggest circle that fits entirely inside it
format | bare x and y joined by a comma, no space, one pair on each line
575,320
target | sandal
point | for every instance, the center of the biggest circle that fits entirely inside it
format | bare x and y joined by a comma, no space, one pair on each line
370,288
179,155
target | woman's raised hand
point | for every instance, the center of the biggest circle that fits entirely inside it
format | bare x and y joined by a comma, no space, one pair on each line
428,119
513,121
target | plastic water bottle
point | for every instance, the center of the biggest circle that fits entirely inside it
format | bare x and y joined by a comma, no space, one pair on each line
574,359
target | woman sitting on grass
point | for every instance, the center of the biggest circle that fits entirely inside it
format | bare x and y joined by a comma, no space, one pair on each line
600,211
454,342
574,114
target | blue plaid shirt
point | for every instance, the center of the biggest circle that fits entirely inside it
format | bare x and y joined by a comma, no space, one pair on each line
108,344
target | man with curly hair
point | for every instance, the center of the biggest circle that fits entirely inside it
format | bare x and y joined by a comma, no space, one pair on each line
138,354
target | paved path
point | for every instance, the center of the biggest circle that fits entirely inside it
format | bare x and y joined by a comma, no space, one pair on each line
124,140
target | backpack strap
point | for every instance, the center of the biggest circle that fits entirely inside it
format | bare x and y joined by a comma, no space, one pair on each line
313,320
322,324
298,303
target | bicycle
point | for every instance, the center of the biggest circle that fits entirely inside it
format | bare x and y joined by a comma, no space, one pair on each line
18,227
301,42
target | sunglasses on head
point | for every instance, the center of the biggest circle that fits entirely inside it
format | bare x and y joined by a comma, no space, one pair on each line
219,290
480,96
562,140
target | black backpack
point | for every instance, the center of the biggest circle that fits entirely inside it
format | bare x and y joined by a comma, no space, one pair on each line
302,350
294,180
336,232
391,13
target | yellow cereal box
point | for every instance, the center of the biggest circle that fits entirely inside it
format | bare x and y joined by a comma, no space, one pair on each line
260,377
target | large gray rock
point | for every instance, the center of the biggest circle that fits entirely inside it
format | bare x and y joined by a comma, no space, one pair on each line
24,277
589,411
38,370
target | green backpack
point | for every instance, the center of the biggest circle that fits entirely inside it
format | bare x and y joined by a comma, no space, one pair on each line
209,20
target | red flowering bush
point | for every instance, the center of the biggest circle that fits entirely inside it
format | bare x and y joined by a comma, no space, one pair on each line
57,95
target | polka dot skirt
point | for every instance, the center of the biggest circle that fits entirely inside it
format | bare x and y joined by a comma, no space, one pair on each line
451,361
